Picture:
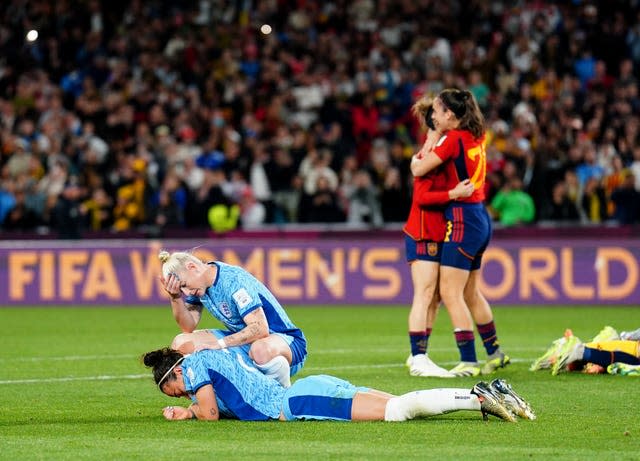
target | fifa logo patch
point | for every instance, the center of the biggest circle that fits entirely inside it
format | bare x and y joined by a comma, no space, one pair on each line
224,308
432,248
242,298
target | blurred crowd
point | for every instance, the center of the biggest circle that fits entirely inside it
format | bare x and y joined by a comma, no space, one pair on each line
215,114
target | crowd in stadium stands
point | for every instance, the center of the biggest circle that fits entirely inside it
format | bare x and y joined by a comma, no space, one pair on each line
190,114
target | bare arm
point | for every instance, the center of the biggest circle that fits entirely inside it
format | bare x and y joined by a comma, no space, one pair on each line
418,168
422,164
187,316
206,407
257,328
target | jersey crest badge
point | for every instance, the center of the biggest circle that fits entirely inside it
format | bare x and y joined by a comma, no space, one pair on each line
224,308
432,248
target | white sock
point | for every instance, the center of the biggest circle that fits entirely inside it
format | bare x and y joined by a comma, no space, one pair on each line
277,368
429,403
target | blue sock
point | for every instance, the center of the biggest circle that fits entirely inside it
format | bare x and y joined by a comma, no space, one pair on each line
605,358
489,337
419,341
466,345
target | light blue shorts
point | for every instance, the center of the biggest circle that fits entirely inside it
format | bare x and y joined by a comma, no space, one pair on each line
320,397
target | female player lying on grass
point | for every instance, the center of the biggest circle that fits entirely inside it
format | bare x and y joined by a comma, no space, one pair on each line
224,383
608,352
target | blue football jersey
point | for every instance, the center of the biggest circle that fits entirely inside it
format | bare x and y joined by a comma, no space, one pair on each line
242,391
235,293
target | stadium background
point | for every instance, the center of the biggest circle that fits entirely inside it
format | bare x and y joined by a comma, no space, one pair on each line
159,121
126,126
162,117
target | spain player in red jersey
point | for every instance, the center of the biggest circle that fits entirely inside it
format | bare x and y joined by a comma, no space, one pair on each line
460,152
424,233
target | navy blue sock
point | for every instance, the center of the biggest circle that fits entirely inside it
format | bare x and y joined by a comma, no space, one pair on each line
466,345
419,341
605,358
489,337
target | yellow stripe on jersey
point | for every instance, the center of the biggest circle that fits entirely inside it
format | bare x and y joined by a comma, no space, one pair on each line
628,347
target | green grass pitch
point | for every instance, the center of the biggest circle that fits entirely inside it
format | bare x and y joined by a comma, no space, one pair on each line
72,387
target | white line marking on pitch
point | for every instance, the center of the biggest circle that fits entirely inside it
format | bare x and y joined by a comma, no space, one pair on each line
111,378
72,358
72,378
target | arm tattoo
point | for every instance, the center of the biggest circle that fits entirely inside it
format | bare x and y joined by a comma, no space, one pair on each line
244,336
193,307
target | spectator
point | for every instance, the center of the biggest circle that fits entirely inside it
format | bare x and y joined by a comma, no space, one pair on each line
589,167
627,202
323,204
635,166
392,206
65,215
613,180
365,120
561,208
7,200
138,82
252,212
282,174
209,193
594,202
364,207
512,205
21,217
98,210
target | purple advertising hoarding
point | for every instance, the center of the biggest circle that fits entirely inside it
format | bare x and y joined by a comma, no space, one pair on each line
317,271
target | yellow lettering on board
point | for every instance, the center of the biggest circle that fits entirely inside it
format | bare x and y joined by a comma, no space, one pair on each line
317,269
146,272
204,255
70,275
101,278
21,272
566,273
372,268
253,264
604,257
47,276
503,258
536,277
279,273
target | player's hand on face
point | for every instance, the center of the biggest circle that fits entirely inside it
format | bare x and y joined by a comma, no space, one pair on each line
172,285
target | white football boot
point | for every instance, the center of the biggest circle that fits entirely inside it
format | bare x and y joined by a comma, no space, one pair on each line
422,365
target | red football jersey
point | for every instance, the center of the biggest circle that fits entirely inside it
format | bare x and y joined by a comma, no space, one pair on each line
468,161
426,217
